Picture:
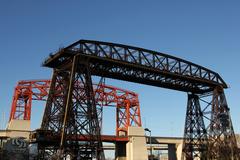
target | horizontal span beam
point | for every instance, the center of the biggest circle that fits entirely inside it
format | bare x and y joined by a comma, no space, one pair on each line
47,137
138,65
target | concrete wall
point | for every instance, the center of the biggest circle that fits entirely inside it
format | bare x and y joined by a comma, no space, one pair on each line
170,140
14,134
179,151
136,147
23,125
17,128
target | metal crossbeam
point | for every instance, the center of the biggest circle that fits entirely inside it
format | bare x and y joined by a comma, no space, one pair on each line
139,65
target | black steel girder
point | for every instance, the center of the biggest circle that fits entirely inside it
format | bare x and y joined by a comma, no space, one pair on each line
138,65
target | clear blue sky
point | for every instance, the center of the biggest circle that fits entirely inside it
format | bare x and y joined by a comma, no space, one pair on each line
204,32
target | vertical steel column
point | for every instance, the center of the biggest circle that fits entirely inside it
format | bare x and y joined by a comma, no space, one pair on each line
195,135
99,91
81,116
127,114
222,140
21,104
67,109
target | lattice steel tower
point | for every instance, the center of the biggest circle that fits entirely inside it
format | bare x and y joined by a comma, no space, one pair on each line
195,135
71,110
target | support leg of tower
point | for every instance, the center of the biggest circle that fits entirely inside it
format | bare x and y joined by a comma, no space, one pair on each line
222,140
195,135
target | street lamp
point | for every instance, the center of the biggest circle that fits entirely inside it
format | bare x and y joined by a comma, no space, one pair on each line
150,140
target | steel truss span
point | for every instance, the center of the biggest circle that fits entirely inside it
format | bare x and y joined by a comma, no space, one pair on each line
208,132
126,102
138,65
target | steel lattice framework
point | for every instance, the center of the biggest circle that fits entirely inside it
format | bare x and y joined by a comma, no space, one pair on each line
126,102
122,62
221,133
195,134
24,93
139,65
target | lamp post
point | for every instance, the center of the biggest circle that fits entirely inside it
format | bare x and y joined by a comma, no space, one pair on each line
150,140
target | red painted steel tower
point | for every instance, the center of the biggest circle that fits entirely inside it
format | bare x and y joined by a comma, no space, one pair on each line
126,102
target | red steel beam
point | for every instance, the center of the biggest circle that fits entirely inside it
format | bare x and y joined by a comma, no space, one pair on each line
126,102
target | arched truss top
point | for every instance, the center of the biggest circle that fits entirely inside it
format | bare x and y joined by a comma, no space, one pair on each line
138,65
